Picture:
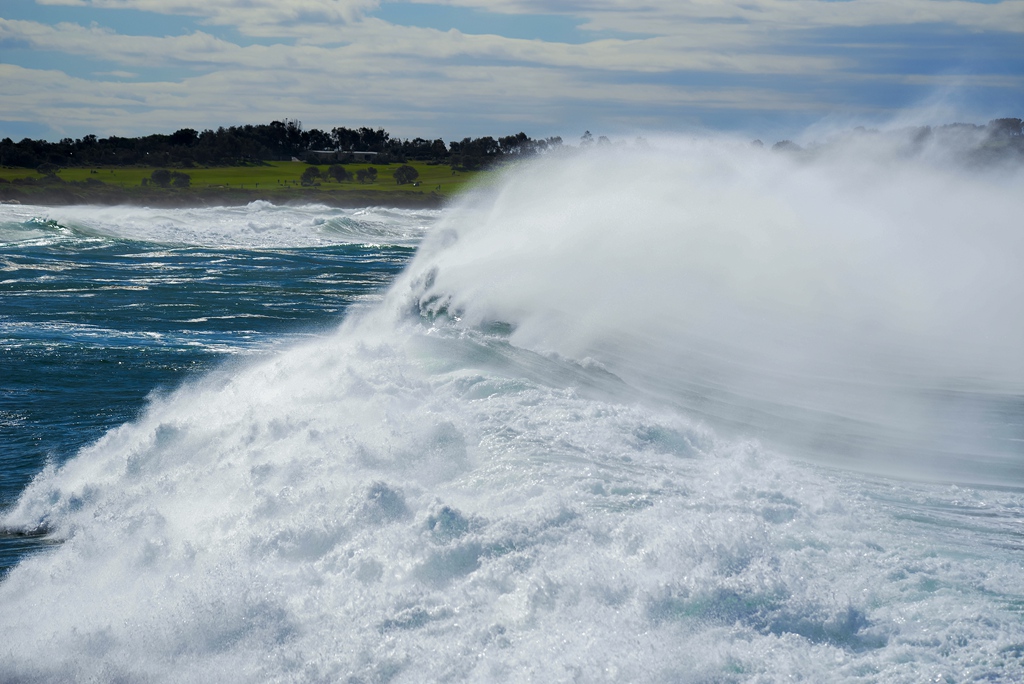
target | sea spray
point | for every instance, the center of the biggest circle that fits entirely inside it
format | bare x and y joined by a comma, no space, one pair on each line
556,451
855,304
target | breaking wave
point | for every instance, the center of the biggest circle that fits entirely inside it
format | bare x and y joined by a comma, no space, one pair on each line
603,428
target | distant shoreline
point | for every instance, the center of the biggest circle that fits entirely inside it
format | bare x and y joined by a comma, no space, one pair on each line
354,185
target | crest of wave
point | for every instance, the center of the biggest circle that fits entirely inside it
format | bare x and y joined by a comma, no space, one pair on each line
859,302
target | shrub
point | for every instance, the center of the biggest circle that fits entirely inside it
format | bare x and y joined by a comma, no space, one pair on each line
405,174
165,179
338,173
161,177
310,175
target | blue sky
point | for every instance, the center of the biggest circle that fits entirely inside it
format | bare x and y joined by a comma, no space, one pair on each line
452,68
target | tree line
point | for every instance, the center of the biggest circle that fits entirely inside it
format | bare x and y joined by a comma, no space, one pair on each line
286,140
276,141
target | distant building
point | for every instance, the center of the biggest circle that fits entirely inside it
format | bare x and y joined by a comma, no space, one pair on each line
336,155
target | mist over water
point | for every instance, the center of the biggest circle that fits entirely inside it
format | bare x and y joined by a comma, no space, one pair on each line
859,305
627,415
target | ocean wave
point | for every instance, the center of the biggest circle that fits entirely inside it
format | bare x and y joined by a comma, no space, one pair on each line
858,308
559,450
259,225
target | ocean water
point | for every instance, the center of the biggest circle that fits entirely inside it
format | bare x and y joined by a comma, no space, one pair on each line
103,308
724,415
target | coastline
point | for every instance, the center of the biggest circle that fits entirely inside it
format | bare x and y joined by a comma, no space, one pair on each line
68,194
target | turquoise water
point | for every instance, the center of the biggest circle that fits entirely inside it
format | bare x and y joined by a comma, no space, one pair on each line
732,417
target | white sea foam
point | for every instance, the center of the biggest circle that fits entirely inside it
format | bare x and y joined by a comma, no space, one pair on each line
257,225
499,473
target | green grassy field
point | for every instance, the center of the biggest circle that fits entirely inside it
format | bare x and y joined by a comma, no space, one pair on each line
279,181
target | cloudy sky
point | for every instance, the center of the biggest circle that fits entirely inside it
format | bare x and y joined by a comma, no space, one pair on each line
452,68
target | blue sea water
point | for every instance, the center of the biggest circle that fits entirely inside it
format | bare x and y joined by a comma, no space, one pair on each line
104,308
732,417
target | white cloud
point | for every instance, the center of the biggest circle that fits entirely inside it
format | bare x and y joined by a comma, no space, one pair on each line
665,17
422,101
376,40
105,44
241,13
752,18
332,61
116,74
